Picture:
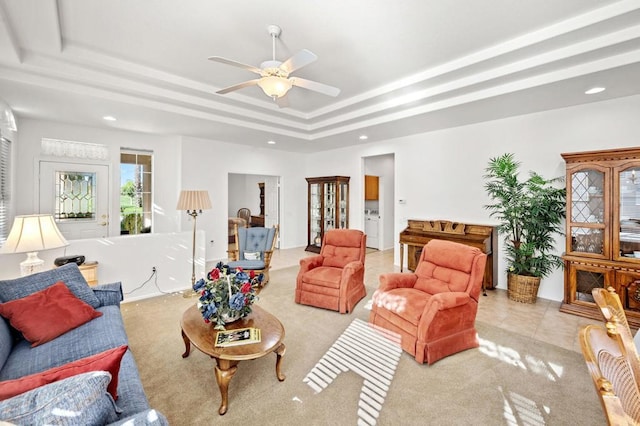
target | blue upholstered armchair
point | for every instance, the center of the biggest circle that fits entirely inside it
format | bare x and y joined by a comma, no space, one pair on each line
254,247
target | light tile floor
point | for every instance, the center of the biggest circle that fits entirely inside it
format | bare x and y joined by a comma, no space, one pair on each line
542,320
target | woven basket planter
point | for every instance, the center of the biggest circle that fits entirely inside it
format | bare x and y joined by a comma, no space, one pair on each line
522,288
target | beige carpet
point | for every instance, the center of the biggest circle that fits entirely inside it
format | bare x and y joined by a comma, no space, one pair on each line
509,380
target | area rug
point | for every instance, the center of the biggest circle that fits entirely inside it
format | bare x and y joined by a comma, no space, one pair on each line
510,380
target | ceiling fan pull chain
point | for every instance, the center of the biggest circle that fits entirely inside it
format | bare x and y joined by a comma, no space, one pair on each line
273,46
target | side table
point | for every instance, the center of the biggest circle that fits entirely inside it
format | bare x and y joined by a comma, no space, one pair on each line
89,271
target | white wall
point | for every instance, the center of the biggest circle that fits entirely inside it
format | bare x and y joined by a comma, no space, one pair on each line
165,151
128,258
440,174
204,164
244,192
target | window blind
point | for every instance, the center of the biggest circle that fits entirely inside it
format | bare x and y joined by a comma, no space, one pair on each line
5,187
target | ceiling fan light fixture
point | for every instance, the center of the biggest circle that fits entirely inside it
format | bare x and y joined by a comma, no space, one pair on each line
275,87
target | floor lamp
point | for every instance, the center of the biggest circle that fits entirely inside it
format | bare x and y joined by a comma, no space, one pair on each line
31,234
193,201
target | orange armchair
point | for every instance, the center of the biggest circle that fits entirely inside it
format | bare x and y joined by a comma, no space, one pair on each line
433,309
335,278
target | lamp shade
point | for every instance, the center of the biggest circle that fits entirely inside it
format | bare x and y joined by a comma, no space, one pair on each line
194,200
275,86
33,233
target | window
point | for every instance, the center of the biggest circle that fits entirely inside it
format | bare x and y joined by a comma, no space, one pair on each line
136,180
5,188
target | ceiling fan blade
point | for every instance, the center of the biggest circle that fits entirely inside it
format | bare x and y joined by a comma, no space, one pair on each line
238,86
235,64
315,86
299,60
282,101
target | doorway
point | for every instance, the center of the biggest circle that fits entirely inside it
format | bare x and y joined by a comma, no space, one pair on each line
258,193
379,214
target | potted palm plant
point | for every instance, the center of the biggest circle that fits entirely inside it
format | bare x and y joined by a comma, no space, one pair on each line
530,213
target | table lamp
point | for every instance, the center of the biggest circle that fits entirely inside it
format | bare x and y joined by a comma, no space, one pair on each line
31,234
193,201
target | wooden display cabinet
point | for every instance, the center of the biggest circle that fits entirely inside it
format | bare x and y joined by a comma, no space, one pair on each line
327,207
603,230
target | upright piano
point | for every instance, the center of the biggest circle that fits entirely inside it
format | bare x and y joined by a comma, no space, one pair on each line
420,232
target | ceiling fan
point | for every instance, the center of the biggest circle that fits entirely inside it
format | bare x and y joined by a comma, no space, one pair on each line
275,80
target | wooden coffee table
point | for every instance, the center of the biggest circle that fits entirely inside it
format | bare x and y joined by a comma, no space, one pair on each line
202,335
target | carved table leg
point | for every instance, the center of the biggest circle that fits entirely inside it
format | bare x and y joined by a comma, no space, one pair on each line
401,257
187,345
280,350
224,372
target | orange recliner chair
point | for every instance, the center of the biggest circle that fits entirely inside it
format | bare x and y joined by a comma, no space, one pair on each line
335,278
433,309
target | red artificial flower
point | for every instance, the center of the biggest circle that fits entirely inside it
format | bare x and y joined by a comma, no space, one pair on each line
239,269
246,288
252,274
214,274
206,321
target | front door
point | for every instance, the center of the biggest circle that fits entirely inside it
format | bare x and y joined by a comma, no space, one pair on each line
77,195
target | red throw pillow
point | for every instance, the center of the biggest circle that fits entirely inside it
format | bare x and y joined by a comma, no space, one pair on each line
104,361
46,314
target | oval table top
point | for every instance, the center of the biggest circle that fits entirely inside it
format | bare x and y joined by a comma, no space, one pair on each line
203,335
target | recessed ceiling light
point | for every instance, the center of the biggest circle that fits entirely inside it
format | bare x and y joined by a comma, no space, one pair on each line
109,118
271,142
363,137
594,90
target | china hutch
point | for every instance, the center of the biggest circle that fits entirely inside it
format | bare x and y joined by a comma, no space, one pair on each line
328,207
603,230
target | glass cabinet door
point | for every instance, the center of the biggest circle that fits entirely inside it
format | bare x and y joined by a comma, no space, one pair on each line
343,212
627,221
329,205
587,212
315,213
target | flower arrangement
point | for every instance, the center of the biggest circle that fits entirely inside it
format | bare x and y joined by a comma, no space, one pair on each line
227,294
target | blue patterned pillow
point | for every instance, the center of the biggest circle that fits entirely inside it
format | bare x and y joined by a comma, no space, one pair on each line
77,400
68,274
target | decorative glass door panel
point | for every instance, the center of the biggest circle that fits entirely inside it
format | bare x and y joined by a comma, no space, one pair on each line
586,196
75,195
342,205
586,281
587,212
329,205
315,214
628,191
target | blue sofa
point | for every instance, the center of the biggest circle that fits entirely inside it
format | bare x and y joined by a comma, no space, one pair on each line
18,358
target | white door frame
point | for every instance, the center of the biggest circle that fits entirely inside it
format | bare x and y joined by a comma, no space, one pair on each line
36,192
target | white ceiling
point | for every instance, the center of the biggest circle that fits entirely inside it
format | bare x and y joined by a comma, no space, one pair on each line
403,67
